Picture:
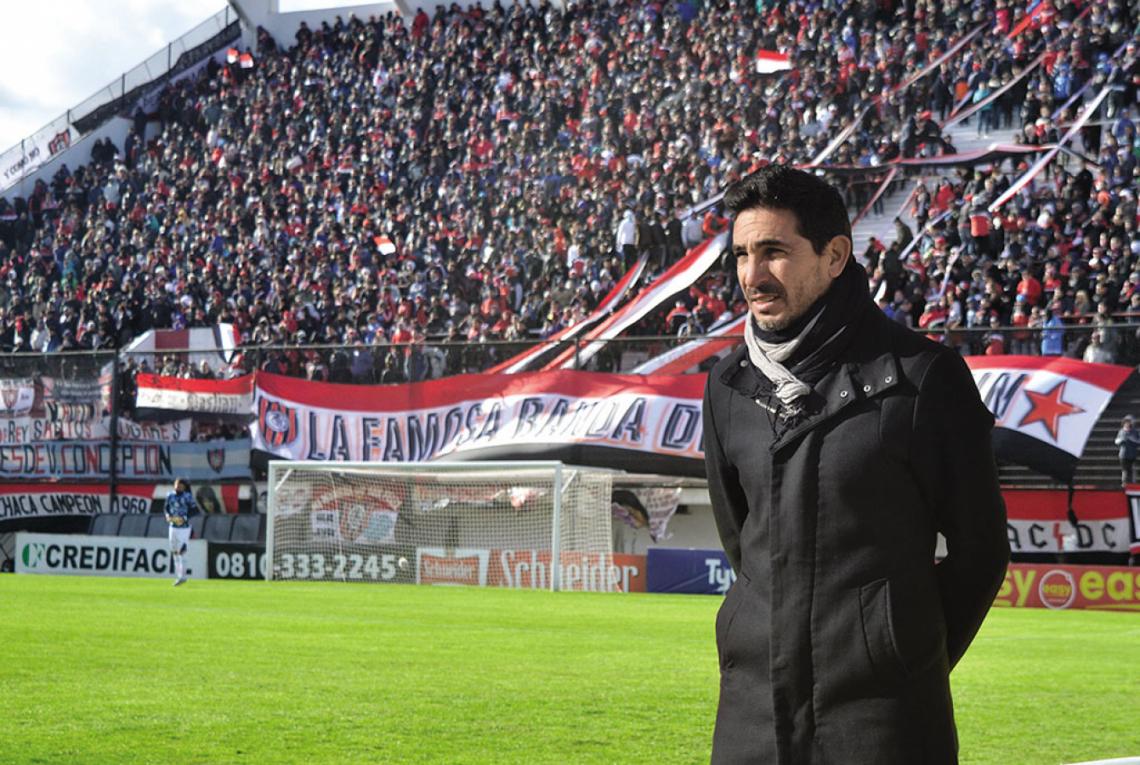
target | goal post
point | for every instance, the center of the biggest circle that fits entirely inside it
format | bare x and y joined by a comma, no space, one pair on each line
530,525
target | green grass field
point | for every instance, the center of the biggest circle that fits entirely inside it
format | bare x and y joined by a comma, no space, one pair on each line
118,670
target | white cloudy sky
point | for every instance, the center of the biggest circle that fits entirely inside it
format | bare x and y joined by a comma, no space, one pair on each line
56,53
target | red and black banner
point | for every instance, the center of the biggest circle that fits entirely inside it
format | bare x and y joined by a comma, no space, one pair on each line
161,397
1040,525
634,422
1044,407
533,358
679,277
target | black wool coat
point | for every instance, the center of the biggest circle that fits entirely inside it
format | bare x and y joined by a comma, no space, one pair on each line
837,639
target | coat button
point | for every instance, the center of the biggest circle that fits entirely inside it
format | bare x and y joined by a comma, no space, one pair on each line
744,362
866,388
888,379
843,394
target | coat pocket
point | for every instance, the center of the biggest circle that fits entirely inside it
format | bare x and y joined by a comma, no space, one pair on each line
725,617
879,631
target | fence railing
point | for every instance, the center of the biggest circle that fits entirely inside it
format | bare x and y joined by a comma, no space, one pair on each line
439,356
434,358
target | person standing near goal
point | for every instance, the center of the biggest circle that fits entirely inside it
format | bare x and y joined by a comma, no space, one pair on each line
180,505
838,444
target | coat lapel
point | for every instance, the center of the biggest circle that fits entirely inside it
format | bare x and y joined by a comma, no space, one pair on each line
844,385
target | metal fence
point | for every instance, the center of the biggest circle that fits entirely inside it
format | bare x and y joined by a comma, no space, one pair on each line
441,357
436,357
113,372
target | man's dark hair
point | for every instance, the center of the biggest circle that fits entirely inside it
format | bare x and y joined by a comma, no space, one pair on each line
818,208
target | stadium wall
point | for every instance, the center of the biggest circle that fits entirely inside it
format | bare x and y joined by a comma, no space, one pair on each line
282,19
78,153
662,570
39,155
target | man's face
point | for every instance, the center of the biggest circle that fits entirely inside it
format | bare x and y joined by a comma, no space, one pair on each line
779,272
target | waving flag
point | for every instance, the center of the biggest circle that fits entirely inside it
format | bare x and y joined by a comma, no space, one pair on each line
532,356
675,361
160,397
1041,163
771,61
680,276
1045,407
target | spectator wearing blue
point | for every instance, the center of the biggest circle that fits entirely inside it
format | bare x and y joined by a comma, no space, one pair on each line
986,113
1053,334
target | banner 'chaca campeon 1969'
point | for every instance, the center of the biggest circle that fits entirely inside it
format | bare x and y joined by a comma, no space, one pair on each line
638,423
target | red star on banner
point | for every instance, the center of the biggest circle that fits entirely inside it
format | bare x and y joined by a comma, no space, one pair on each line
1048,409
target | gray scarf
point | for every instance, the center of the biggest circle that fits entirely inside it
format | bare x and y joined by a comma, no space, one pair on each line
767,357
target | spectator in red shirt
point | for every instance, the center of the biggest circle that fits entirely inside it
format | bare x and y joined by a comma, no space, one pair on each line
1029,289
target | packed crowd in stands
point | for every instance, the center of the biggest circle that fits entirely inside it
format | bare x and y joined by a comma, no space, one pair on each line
1063,252
489,174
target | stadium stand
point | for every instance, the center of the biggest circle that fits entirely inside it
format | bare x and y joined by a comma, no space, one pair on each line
229,527
217,527
157,527
105,524
338,192
197,526
134,525
247,527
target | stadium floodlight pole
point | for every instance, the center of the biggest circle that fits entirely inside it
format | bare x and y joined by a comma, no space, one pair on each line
556,533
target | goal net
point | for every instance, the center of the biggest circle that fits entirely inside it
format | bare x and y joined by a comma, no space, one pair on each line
541,525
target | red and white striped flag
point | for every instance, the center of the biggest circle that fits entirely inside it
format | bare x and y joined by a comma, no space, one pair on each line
385,245
156,393
528,358
679,277
771,61
684,357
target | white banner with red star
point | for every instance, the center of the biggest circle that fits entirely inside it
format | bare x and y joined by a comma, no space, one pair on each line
1052,399
1044,407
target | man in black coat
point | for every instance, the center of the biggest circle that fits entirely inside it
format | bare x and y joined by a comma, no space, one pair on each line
838,444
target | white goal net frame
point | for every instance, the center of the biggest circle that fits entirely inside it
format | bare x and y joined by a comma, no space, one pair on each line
530,524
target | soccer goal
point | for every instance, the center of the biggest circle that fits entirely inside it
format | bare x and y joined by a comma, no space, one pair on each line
540,525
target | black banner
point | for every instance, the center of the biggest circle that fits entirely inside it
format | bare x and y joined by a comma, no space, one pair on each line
236,560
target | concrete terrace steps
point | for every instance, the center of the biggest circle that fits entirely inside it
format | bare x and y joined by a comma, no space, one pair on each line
881,226
1099,466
